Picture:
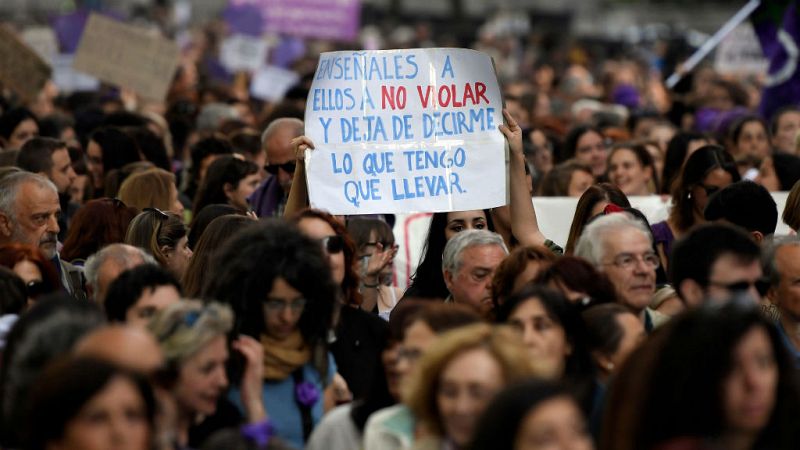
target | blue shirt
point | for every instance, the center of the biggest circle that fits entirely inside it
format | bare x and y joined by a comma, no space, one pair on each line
282,408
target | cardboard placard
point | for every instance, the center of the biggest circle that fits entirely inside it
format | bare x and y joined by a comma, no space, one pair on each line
405,131
127,56
21,68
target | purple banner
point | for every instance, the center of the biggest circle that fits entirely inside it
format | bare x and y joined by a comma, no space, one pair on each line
322,19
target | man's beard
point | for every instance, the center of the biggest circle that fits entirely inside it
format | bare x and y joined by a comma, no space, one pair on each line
47,244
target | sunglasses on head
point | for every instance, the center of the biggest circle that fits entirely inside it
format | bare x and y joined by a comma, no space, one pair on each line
332,244
161,216
287,167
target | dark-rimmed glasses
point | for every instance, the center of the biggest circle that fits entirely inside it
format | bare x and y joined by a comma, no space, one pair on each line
287,167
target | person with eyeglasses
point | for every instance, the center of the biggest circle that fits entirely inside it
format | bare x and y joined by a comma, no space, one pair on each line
714,262
708,169
360,336
280,288
620,246
270,199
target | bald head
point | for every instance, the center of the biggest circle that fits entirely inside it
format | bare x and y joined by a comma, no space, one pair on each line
104,267
277,143
128,347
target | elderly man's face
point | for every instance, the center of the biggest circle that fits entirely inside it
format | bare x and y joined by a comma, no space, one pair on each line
471,284
630,264
787,294
279,151
35,219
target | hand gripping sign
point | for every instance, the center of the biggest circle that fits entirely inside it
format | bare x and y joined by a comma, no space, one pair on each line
404,131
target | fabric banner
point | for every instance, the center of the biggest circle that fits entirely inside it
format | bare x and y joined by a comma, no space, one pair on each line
404,131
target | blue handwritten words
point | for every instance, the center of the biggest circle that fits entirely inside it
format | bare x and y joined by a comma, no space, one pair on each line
376,163
346,166
360,66
333,99
433,159
457,122
357,191
426,186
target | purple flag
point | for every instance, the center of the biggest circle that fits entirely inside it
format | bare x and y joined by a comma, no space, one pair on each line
777,26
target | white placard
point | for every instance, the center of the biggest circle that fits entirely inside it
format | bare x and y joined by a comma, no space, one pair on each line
270,83
740,53
240,52
405,131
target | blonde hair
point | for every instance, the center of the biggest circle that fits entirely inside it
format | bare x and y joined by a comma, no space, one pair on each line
151,188
184,328
501,342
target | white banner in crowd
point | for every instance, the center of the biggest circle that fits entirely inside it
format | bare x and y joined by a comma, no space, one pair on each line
399,131
555,219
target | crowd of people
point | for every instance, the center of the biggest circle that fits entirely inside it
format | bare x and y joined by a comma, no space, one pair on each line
165,285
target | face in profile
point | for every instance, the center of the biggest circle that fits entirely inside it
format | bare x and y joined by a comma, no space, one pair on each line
115,417
466,386
555,424
202,379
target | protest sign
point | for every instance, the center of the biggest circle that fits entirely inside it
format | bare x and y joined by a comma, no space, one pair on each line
240,52
42,40
271,83
127,56
740,53
21,68
405,130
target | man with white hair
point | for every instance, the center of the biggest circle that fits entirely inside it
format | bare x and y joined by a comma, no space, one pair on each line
103,267
29,212
621,247
468,264
269,200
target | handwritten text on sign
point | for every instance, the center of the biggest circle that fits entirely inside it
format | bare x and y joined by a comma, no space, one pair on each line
405,130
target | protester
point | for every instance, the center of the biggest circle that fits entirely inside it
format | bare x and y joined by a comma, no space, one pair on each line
747,205
140,293
103,267
228,180
791,211
163,235
568,179
17,126
269,200
707,170
375,252
750,139
631,168
578,280
780,265
779,172
679,149
151,188
591,204
532,415
30,265
109,149
783,128
469,261
201,220
587,145
522,265
98,223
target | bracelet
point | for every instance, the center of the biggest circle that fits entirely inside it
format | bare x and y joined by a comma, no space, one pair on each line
259,432
370,286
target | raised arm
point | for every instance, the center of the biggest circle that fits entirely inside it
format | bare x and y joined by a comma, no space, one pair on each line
298,194
524,225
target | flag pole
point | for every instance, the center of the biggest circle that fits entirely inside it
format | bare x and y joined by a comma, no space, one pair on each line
712,42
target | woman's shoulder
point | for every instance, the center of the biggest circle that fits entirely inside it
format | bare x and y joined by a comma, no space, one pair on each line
662,232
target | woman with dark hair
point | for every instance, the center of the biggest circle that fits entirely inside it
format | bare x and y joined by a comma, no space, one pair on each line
532,415
708,170
29,263
679,148
98,223
578,281
749,137
202,154
228,180
375,252
280,288
360,335
163,235
109,148
631,168
47,331
552,330
219,231
587,144
591,204
17,126
613,332
87,404
779,172
200,221
717,377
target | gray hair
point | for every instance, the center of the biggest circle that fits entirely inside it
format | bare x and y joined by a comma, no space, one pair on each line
9,188
124,255
451,258
591,245
768,252
277,124
184,328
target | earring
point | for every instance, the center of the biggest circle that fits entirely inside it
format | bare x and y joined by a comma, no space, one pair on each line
689,195
610,366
